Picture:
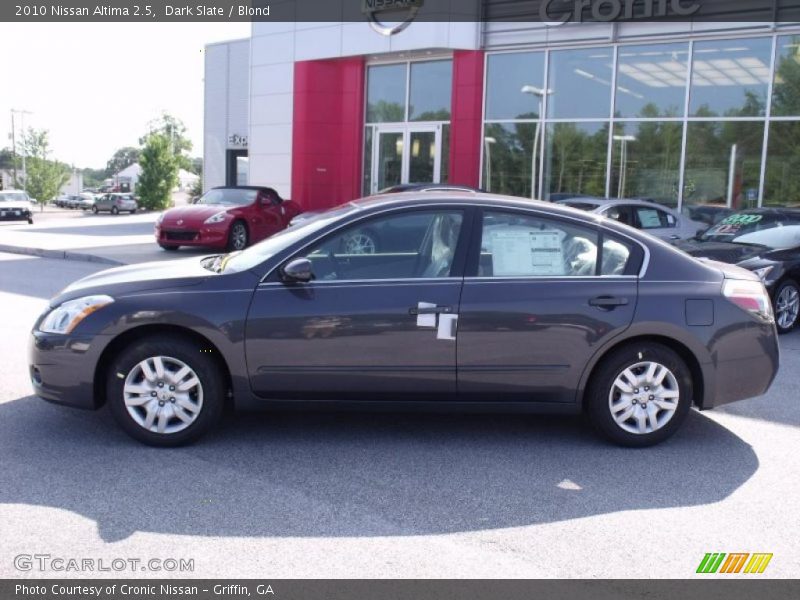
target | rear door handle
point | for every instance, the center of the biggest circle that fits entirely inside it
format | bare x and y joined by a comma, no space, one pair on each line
429,310
608,302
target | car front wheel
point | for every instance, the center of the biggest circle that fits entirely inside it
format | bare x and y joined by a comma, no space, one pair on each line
238,237
114,210
165,391
95,210
640,395
787,306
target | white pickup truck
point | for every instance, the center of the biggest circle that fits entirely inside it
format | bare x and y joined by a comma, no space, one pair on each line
16,205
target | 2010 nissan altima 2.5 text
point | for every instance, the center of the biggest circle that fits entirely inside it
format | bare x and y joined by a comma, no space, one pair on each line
470,302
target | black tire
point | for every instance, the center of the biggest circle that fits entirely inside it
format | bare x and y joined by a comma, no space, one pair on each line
238,237
601,385
169,248
95,210
205,368
133,212
114,210
786,286
30,221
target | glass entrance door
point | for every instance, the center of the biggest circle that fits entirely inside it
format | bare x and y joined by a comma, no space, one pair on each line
408,154
389,162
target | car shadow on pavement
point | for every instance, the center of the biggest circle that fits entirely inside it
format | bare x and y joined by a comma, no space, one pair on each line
355,474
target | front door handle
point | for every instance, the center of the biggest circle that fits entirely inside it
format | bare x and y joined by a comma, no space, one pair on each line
429,310
608,302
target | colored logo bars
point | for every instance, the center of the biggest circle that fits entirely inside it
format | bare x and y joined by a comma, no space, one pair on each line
719,562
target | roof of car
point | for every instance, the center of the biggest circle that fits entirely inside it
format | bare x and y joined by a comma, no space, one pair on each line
610,201
411,198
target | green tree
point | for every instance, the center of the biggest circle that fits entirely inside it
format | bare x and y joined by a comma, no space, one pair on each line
159,172
175,131
124,157
93,178
43,177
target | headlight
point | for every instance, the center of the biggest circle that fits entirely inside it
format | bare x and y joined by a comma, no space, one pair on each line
64,318
160,219
763,272
217,218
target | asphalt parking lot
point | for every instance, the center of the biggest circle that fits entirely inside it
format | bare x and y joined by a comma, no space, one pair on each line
385,495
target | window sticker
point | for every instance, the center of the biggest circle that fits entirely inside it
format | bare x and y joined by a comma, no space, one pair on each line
527,252
648,217
741,220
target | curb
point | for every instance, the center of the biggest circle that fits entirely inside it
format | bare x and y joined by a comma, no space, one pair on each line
61,254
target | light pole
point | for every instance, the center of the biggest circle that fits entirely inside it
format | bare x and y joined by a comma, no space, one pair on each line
488,141
22,114
623,155
540,94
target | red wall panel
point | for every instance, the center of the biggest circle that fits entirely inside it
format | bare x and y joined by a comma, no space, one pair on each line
466,121
328,131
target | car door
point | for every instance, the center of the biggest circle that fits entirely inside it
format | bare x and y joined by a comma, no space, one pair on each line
264,216
373,323
541,295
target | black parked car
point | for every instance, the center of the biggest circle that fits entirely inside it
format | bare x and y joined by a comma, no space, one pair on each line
552,309
765,241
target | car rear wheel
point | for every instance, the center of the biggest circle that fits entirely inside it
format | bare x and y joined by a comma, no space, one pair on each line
114,210
238,237
165,391
640,395
133,211
95,210
787,306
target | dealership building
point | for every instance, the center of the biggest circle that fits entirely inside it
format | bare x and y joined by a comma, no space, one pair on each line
684,113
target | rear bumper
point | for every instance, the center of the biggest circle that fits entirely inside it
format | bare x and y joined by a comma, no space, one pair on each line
62,368
210,237
743,366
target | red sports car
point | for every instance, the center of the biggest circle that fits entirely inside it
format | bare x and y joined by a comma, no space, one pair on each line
226,217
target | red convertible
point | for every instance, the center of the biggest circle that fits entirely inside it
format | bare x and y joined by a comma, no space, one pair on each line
226,217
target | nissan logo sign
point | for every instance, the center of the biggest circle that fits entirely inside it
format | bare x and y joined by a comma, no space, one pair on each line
558,12
403,11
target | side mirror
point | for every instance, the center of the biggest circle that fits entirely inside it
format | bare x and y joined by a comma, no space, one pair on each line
298,270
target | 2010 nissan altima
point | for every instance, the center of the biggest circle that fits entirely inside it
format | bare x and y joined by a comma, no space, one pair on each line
470,302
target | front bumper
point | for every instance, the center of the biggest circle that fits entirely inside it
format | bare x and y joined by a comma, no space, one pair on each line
210,236
62,368
15,215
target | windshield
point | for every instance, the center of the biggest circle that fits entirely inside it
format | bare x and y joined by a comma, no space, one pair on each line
13,196
765,229
230,197
255,255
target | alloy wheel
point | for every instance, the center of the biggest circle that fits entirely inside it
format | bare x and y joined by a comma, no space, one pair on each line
163,395
787,307
359,243
644,397
239,237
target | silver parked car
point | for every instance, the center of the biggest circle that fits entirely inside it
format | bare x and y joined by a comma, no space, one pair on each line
655,219
115,203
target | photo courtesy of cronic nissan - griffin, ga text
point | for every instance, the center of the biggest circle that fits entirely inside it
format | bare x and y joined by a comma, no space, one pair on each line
469,301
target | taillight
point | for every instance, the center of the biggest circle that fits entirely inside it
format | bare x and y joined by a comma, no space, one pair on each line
750,296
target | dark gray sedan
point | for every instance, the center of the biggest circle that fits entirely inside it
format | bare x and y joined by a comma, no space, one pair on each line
485,303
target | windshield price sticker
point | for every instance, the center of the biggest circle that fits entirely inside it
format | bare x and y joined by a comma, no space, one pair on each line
741,220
